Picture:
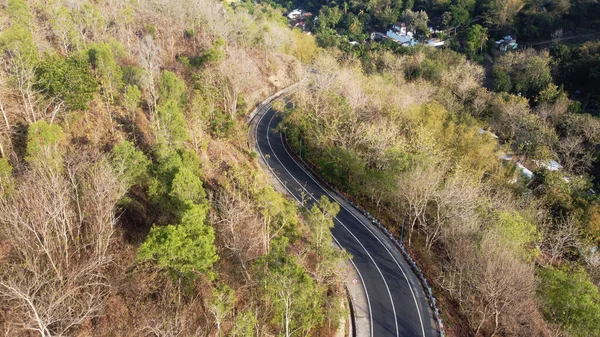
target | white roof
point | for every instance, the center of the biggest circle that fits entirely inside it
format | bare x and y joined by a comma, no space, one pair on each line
435,42
402,38
482,131
295,13
551,165
525,171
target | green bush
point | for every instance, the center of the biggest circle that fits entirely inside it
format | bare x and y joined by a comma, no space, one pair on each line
502,81
184,249
129,162
570,300
67,79
44,144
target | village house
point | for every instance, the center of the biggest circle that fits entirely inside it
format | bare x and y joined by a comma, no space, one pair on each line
506,43
297,18
399,34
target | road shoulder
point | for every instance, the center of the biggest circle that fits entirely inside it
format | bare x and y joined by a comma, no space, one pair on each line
358,297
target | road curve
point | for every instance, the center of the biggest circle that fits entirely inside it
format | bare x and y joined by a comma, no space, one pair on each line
397,302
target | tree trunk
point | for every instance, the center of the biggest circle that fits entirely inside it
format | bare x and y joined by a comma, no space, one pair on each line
480,324
287,318
496,319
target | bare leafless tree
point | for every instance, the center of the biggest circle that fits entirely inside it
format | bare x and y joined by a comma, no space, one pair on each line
239,75
463,78
149,57
58,224
561,236
416,188
574,155
22,70
500,281
5,129
455,202
238,227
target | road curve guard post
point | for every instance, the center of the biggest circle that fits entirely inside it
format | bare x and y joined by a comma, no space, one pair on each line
408,258
377,223
399,245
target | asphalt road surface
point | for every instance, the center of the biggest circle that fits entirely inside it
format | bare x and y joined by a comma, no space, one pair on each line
396,300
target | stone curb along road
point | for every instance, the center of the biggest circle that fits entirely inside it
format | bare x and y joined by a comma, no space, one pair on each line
389,299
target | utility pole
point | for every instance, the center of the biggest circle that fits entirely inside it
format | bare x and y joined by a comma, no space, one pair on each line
402,232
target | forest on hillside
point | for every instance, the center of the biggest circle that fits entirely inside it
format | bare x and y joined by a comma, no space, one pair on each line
530,20
474,28
132,204
408,135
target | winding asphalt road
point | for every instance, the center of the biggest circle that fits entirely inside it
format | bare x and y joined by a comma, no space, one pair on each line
396,300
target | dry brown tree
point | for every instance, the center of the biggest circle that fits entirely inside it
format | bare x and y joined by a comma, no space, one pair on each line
416,189
500,283
239,75
238,227
560,237
58,225
455,202
22,71
149,54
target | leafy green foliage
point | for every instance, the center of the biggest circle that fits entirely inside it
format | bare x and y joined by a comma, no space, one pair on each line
132,98
187,186
67,79
6,179
172,126
329,17
570,300
214,54
222,303
151,29
280,214
534,138
184,249
131,163
290,290
176,180
44,144
551,94
132,75
593,222
18,38
102,58
460,15
529,71
417,21
171,87
578,68
502,80
560,195
476,39
244,324
63,23
518,234
320,219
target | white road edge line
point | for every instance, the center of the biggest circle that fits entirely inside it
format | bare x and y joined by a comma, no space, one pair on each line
298,201
341,223
364,225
